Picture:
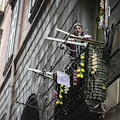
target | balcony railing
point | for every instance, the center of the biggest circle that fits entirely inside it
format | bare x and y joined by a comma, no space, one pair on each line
88,79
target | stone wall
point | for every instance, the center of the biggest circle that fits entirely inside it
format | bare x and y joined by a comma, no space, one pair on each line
113,92
44,55
4,99
38,53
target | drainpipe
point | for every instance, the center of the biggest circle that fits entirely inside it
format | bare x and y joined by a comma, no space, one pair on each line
16,42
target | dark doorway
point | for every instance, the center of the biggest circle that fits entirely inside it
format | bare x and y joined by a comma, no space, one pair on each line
31,113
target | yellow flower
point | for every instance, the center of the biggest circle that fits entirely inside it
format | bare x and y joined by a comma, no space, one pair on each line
61,86
82,57
78,70
61,91
78,75
82,64
57,102
60,96
82,70
61,103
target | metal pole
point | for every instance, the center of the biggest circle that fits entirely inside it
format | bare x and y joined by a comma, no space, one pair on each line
70,42
78,38
32,106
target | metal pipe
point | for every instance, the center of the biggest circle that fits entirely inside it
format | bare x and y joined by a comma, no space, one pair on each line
64,41
46,74
81,39
32,106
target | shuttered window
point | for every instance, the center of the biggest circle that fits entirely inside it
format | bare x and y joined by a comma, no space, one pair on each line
12,32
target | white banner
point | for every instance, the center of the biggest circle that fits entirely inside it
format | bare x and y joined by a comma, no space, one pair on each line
63,78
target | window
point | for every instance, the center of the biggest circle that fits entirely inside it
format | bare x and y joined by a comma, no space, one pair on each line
3,4
0,35
33,8
32,2
1,15
12,32
10,47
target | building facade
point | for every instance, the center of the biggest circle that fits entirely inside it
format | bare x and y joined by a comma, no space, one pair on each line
26,95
